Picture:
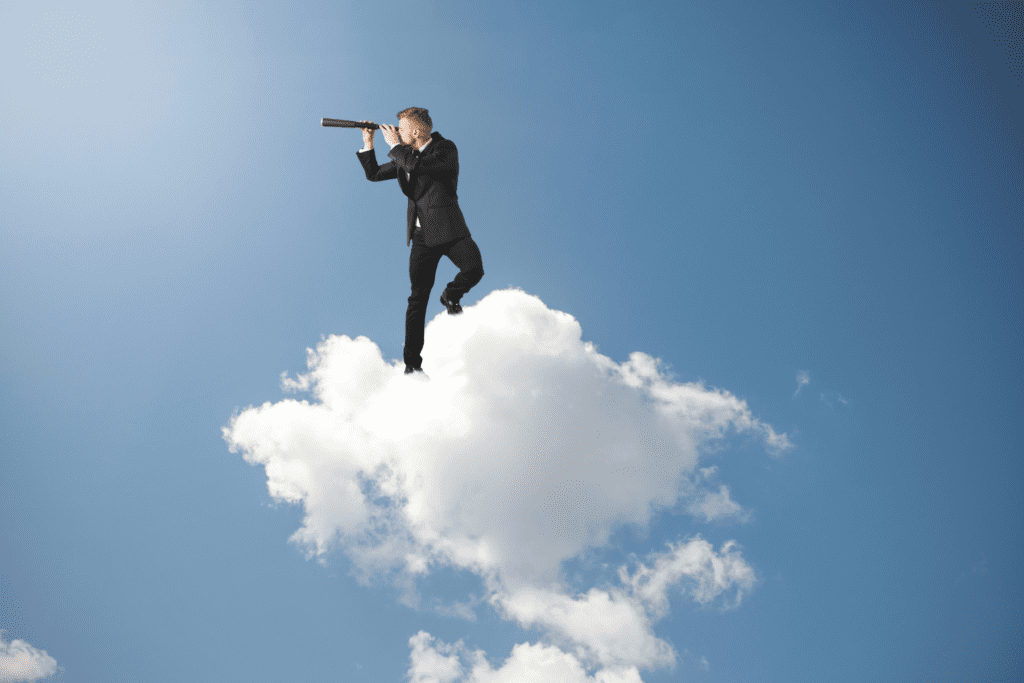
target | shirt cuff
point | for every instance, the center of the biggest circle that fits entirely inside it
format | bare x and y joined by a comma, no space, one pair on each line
365,149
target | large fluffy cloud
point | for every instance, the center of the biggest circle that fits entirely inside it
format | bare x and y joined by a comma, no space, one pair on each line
19,661
520,448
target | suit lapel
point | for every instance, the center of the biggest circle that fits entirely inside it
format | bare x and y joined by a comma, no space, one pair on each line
403,181
431,148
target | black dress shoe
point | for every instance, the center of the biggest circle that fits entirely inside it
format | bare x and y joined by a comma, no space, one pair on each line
410,369
453,306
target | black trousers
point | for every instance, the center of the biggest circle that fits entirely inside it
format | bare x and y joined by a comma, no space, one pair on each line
423,262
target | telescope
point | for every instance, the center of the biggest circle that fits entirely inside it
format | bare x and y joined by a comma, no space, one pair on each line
342,123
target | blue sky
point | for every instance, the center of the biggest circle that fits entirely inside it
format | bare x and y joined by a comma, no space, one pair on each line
811,213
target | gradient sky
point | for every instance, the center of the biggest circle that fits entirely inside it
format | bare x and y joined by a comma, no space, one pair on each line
816,207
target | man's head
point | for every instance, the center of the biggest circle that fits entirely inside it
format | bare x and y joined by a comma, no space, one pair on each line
414,126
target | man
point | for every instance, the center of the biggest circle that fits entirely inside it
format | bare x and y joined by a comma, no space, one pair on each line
427,168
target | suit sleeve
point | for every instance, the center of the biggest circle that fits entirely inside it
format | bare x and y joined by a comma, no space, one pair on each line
444,161
376,173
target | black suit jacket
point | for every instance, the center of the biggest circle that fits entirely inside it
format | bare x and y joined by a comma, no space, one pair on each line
430,181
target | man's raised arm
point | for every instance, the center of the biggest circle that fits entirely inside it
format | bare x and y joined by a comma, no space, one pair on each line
368,158
444,159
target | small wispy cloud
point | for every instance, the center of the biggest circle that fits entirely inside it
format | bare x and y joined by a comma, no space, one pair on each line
709,505
802,380
717,506
462,610
827,399
701,663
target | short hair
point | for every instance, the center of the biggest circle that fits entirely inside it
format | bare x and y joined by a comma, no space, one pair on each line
419,115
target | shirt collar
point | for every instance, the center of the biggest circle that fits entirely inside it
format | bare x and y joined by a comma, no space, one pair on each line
425,145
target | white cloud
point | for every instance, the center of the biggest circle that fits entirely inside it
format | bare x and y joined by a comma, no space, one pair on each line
463,610
701,663
709,505
802,380
709,574
432,664
19,661
613,627
522,447
607,628
828,398
528,663
718,506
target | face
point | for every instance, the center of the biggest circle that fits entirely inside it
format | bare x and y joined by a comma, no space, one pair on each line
406,127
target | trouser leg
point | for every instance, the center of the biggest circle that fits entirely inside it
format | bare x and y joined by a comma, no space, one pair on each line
465,254
422,268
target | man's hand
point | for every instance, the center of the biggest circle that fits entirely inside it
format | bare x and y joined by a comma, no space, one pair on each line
367,135
390,134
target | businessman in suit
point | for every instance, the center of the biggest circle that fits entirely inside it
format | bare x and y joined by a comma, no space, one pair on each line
427,168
